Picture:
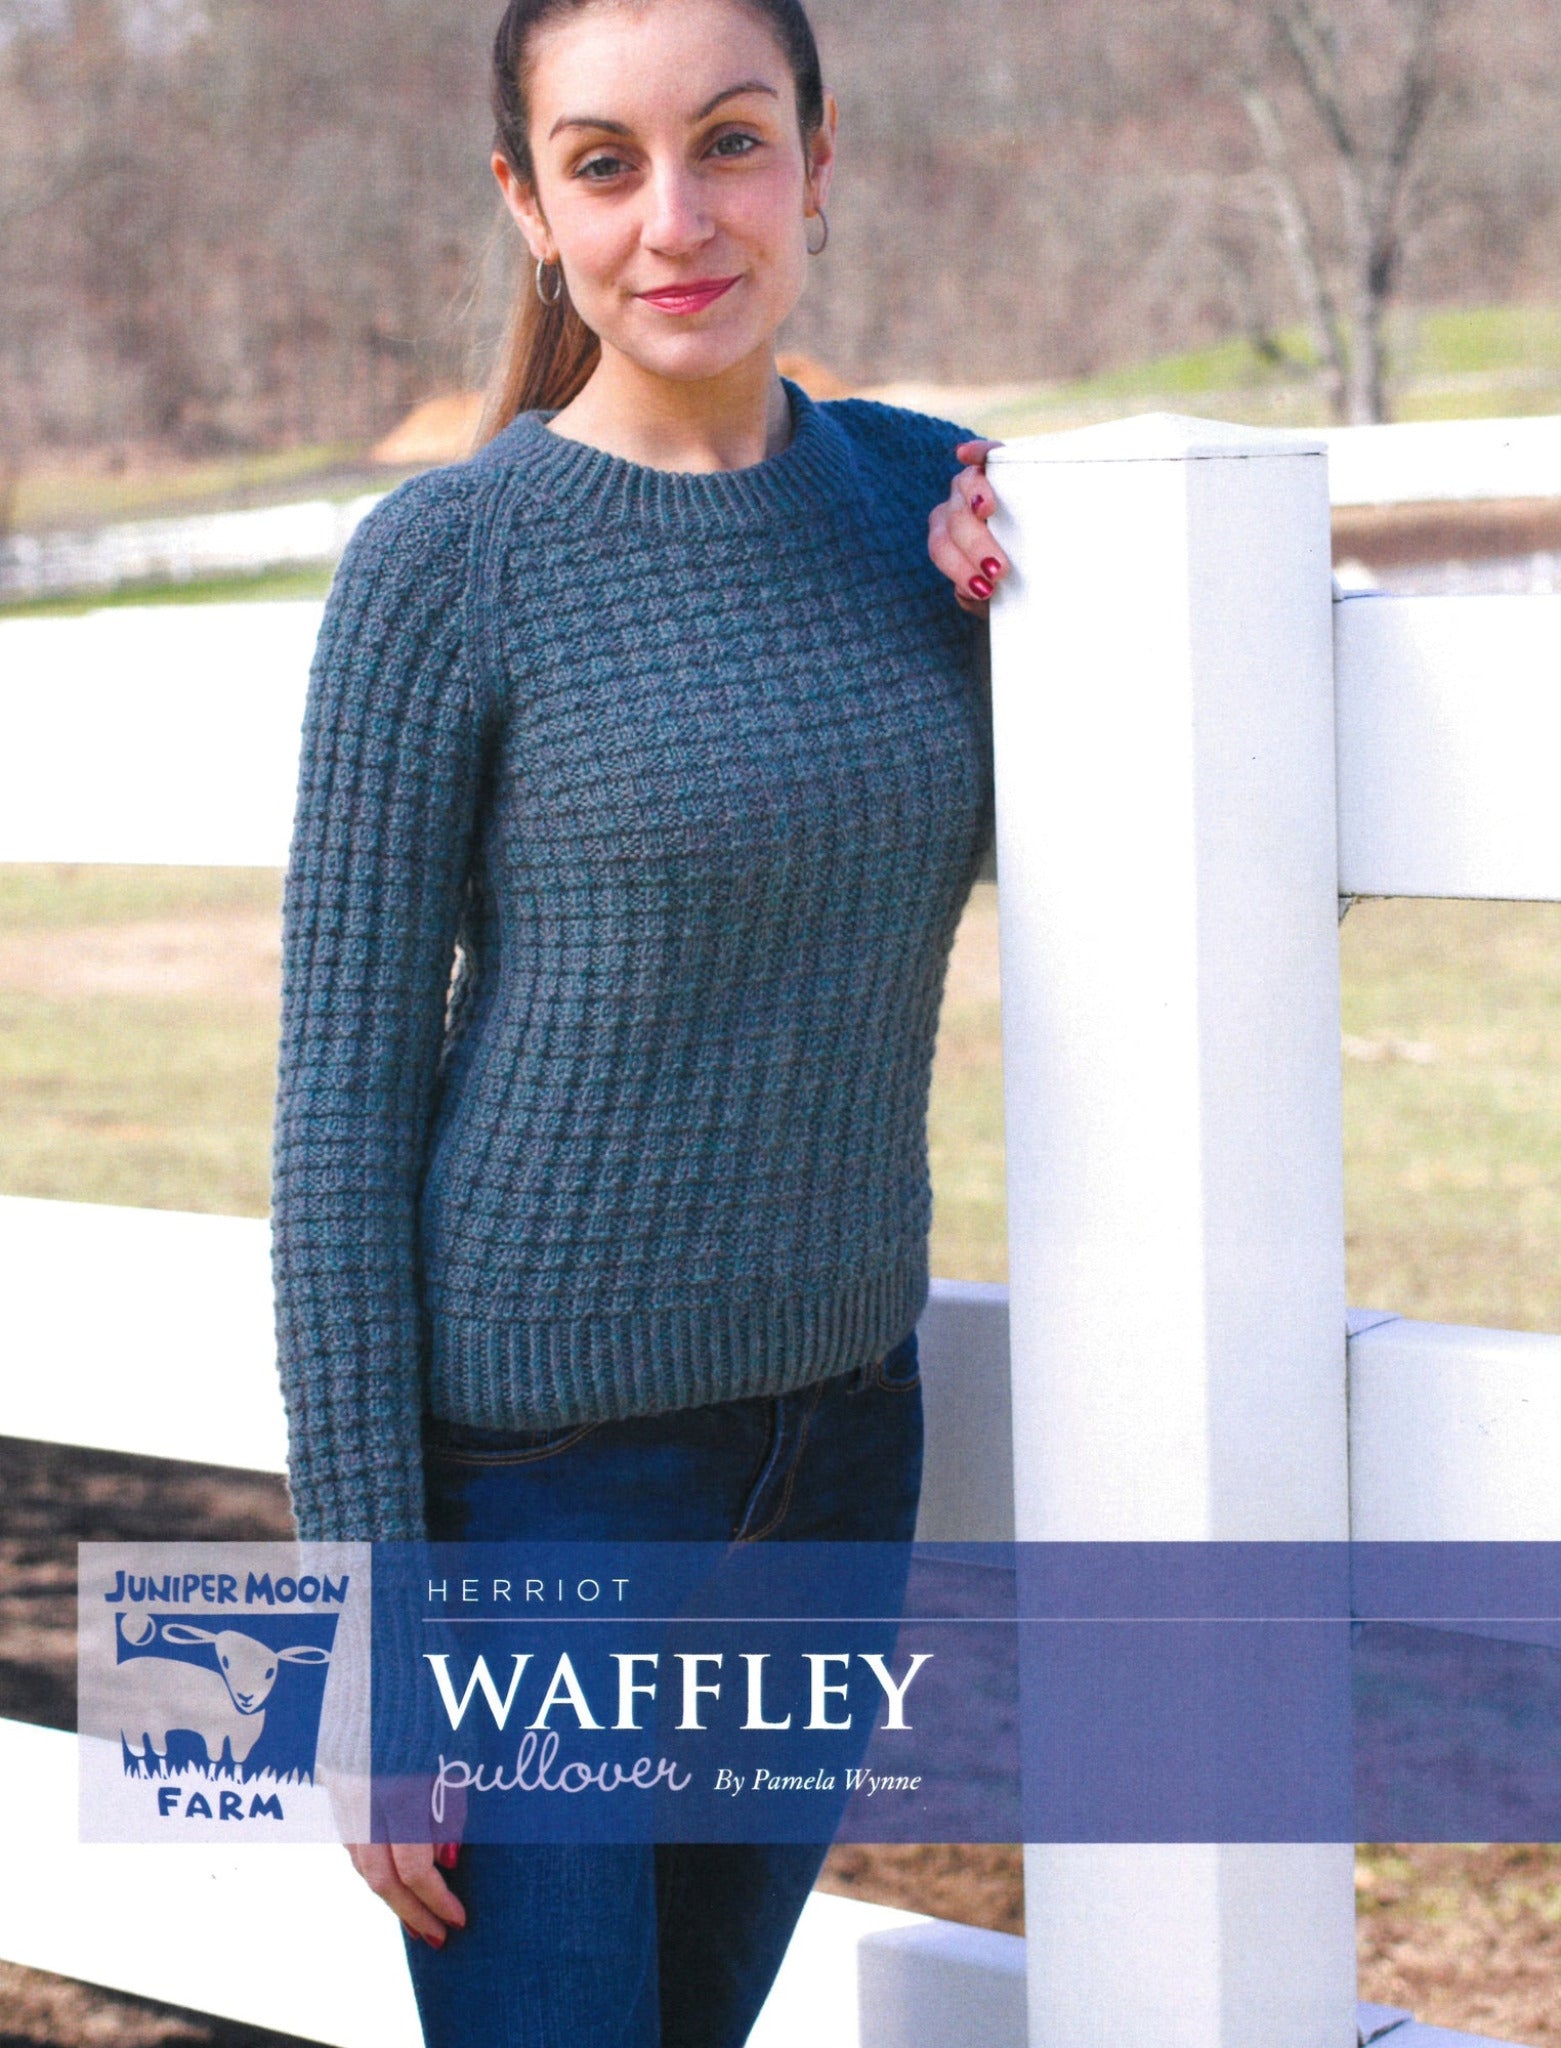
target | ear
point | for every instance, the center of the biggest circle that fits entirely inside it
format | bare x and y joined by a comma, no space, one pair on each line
821,154
186,1632
521,201
304,1653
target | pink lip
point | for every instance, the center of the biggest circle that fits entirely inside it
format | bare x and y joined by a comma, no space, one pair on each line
692,297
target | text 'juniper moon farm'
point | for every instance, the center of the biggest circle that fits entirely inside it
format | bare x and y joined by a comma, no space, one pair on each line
223,1691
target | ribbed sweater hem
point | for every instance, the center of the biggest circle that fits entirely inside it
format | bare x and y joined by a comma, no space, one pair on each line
602,1368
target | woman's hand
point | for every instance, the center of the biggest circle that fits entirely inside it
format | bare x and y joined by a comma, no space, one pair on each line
957,537
406,1876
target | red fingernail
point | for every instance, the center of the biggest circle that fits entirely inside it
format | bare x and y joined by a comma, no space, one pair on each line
992,567
446,1854
434,1941
977,502
413,1935
979,587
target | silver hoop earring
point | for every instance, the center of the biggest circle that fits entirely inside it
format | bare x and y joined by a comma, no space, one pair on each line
824,243
549,299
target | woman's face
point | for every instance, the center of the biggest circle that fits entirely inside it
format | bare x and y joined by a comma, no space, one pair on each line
671,179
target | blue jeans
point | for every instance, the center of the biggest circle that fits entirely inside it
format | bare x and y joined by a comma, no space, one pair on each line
671,1944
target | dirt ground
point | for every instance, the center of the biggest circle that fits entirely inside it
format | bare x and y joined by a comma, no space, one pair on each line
223,954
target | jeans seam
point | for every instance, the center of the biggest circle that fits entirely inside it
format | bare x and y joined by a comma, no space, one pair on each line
791,1477
889,1386
457,1455
772,1451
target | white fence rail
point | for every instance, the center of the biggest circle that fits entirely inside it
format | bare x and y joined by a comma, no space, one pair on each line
1443,461
1186,783
1448,735
1449,746
180,550
140,1330
163,733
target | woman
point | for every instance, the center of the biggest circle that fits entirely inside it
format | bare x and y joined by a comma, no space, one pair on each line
657,720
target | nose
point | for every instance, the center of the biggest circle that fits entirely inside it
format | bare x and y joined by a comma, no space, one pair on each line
678,221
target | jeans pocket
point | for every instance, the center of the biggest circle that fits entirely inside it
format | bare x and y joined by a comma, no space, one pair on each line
900,1369
459,1443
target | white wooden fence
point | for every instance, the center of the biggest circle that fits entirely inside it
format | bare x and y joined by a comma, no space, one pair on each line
1197,755
309,533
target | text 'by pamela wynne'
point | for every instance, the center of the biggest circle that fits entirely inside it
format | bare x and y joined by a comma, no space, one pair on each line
857,1779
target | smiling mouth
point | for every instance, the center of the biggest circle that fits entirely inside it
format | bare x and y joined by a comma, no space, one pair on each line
689,298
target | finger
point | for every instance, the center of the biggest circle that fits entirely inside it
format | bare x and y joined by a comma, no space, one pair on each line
975,451
417,1870
970,534
962,566
376,1865
972,488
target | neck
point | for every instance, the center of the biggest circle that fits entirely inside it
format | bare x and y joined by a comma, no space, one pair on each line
728,422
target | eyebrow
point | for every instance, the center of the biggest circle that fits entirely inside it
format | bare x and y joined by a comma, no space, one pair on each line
730,92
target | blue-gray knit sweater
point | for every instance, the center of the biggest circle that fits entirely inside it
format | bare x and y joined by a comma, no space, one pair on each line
688,776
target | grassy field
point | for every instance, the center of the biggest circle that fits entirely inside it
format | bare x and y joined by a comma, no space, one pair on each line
262,587
1453,1110
1452,363
87,492
138,1035
137,1047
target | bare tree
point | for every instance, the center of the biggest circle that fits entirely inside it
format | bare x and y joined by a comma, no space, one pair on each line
1367,93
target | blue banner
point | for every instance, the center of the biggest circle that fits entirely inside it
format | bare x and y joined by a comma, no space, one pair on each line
780,1691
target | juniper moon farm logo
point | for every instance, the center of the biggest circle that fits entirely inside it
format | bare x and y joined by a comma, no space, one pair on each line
222,1690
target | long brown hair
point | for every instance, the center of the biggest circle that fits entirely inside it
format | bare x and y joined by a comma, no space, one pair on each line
549,352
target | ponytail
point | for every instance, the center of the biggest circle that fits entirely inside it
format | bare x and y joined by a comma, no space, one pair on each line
549,353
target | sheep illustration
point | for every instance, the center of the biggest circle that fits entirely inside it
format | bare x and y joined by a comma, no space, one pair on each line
223,1705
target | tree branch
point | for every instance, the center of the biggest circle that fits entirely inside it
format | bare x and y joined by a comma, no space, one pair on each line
1311,43
1299,236
1417,96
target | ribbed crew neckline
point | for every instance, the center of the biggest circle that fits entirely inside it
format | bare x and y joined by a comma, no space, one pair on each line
812,468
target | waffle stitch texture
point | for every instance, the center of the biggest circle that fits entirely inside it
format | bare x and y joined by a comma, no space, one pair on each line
687,777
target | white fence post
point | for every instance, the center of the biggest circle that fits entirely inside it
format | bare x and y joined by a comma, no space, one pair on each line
1167,871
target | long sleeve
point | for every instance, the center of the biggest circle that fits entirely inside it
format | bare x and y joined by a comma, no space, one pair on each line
389,784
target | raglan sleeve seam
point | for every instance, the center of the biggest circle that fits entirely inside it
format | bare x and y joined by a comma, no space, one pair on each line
390,775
